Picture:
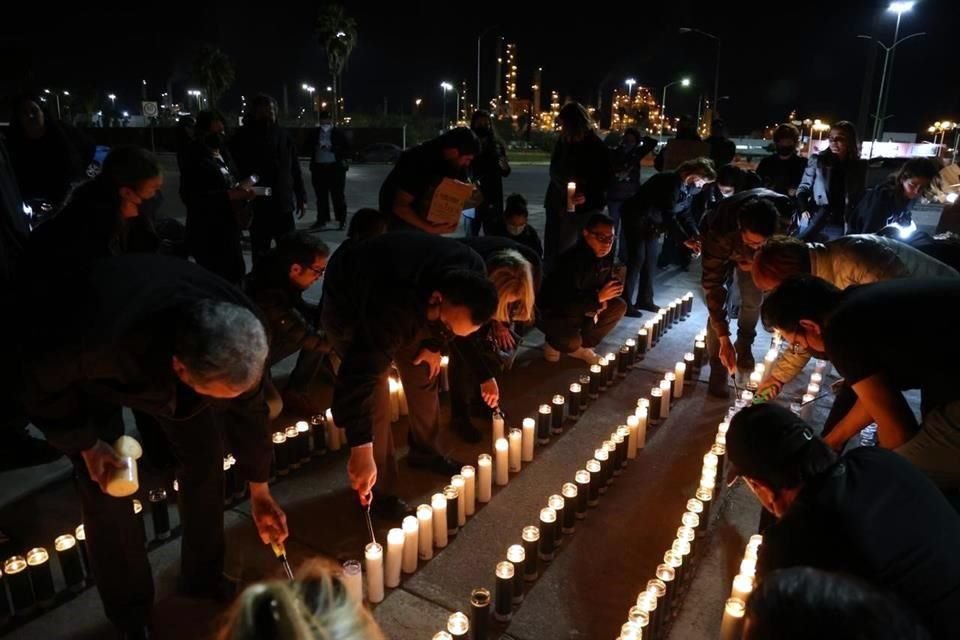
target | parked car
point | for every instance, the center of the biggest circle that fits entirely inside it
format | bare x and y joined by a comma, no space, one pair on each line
380,152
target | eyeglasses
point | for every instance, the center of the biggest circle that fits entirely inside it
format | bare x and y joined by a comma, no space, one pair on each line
603,237
319,272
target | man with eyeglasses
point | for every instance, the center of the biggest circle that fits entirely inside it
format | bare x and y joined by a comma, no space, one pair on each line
580,299
276,285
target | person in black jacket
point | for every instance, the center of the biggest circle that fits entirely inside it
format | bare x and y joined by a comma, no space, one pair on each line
581,159
329,150
722,149
783,170
169,339
580,300
262,148
489,168
626,160
892,201
663,202
516,225
214,198
397,298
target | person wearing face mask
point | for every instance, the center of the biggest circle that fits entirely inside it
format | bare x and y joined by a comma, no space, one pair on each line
730,234
214,199
396,299
662,203
783,170
489,168
329,161
516,225
892,201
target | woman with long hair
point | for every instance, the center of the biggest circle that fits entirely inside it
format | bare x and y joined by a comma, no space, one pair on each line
892,201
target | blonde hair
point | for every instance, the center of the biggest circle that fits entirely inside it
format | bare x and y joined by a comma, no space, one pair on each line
314,607
512,276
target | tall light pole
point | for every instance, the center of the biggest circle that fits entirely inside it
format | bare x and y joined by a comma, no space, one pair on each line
57,96
663,102
899,8
716,73
446,86
310,89
479,38
196,94
630,82
113,101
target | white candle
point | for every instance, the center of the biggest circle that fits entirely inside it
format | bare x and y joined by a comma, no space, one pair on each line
571,194
680,370
813,389
515,439
649,329
425,538
731,627
444,373
484,478
458,624
439,504
771,356
333,436
373,553
755,379
411,542
501,465
816,377
665,402
641,414
460,483
394,401
633,424
498,428
391,572
402,397
469,493
352,578
742,587
529,434
671,377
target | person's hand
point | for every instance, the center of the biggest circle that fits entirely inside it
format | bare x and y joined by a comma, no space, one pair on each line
440,228
241,194
502,337
270,519
805,217
578,199
610,291
791,192
728,355
362,471
768,390
102,461
431,359
490,392
301,209
694,245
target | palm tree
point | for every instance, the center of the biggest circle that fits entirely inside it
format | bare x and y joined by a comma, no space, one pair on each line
337,34
214,71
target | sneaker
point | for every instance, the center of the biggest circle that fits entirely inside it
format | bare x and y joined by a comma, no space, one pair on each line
633,312
587,355
550,354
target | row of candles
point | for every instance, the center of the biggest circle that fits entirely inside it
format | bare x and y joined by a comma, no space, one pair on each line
539,544
731,627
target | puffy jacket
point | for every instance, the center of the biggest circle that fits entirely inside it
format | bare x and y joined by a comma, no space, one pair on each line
860,259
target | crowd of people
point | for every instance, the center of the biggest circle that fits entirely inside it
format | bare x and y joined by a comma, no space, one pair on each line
176,328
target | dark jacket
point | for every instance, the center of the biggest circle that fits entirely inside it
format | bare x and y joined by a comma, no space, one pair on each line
882,205
265,150
661,204
339,143
47,167
290,320
204,183
528,237
781,174
723,248
814,190
626,164
13,224
722,150
709,198
116,351
418,171
489,168
375,296
587,163
571,288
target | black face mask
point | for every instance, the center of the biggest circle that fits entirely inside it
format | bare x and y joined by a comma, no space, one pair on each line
214,140
785,151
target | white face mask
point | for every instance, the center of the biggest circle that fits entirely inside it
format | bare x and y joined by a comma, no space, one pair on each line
515,231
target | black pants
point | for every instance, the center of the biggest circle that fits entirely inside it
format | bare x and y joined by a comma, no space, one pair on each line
269,224
466,376
330,183
567,333
639,252
117,555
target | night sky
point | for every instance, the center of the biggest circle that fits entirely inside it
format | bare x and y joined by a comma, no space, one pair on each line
805,56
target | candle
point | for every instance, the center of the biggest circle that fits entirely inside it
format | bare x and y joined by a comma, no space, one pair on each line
480,613
460,484
690,519
602,458
517,557
442,635
498,426
680,371
303,433
444,374
373,554
742,586
411,531
665,386
452,495
125,481
531,545
293,446
596,371
571,496
160,512
648,327
584,390
631,345
633,424
332,433
573,400
141,523
557,503
391,573
656,400
21,591
317,444
458,625
70,564
38,566
501,467
641,414
425,536
816,377
544,423
731,627
281,462
484,478
80,534
556,425
614,451
753,383
611,369
402,397
629,631
352,578
647,602
699,348
675,560
643,343
595,470
623,434
528,437
439,505
394,401
813,389
548,536
623,361
690,361
515,441
469,493
666,575
671,377
503,600
582,478
639,617
571,194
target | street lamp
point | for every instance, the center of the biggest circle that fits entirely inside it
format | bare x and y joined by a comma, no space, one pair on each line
716,73
446,86
196,94
630,82
685,82
57,96
416,105
310,89
113,101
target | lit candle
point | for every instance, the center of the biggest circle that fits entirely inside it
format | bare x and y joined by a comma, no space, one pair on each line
665,386
699,348
517,557
666,575
631,345
469,493
746,397
70,564
442,635
633,424
604,376
753,383
21,591
675,560
439,505
141,521
570,495
596,371
688,304
411,543
630,631
671,377
281,460
303,440
531,545
771,356
80,534
641,415
731,628
529,436
480,613
596,481
332,433
444,374
571,194
816,377
394,562
503,600
460,484
394,401
584,391
649,329
680,371
501,466
639,617
498,426
352,578
317,445
293,446
602,457
402,397
690,360
656,401
556,425
425,537
582,478
742,586
458,625
125,481
611,368
373,554
160,512
573,404
643,343
544,421
657,589
548,536
623,361
452,495
557,503
647,602
38,566
515,441
813,389
484,478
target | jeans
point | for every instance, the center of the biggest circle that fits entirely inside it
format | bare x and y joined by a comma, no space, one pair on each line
935,449
750,299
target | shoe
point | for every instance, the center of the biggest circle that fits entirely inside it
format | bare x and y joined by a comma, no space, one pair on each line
225,589
387,507
649,306
550,354
587,355
436,463
465,430
633,312
717,386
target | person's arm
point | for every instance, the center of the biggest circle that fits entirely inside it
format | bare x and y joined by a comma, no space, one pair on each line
247,430
848,426
884,402
504,163
286,326
805,190
788,366
717,265
403,209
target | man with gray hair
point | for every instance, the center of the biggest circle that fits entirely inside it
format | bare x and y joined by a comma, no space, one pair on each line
183,349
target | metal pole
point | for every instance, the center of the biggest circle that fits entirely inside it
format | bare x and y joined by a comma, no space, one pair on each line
663,111
478,71
883,80
443,123
885,92
716,85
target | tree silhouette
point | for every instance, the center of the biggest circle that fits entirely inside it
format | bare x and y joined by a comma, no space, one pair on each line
337,34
